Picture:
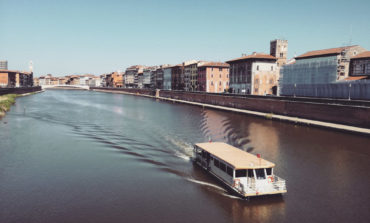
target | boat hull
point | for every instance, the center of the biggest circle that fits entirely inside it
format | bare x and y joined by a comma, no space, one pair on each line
232,189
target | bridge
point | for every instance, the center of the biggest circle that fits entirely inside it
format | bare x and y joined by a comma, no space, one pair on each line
65,86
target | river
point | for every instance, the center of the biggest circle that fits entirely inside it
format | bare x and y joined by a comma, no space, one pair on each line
83,156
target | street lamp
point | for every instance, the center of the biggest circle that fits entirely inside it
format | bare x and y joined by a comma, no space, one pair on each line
349,91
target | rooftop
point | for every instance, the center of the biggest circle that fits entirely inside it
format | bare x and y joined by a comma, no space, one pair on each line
253,56
15,71
365,54
318,53
355,78
214,64
238,158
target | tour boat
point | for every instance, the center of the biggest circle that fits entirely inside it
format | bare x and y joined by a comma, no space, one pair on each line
244,173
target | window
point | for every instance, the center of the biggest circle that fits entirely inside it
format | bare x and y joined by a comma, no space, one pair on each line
260,173
212,68
217,163
212,75
212,83
268,171
222,166
227,76
240,173
258,67
250,173
220,83
229,171
272,68
220,75
220,69
204,155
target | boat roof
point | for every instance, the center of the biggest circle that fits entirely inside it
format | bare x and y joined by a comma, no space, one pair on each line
235,157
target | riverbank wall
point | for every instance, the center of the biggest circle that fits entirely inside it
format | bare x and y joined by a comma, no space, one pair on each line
339,114
21,90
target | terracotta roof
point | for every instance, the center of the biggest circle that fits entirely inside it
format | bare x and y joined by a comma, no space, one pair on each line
15,71
355,78
214,64
254,56
324,52
235,157
136,67
365,54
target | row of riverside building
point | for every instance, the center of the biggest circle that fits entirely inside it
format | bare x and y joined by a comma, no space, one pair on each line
341,72
260,74
256,74
85,79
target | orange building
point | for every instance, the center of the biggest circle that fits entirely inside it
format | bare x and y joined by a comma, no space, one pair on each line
118,80
9,78
213,77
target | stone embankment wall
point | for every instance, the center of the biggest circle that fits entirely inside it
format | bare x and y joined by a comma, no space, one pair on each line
22,90
353,113
328,112
128,90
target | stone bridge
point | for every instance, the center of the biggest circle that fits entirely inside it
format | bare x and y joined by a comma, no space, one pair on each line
64,86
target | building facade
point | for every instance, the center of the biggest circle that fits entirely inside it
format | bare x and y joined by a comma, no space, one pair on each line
190,73
158,84
213,77
255,74
118,79
36,81
167,73
3,65
360,64
316,67
10,78
177,77
148,77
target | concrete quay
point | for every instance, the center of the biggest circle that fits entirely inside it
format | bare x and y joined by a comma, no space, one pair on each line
267,115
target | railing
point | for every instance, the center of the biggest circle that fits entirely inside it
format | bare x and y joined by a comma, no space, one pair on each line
278,184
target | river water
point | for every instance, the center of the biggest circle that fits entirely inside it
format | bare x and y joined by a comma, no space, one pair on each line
82,156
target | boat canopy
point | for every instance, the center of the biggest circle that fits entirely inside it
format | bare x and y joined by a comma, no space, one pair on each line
237,158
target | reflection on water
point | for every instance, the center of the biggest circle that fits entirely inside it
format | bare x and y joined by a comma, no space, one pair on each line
79,156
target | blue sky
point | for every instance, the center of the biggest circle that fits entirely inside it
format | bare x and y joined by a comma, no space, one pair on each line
75,37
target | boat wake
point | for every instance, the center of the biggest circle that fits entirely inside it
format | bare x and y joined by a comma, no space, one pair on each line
207,184
231,196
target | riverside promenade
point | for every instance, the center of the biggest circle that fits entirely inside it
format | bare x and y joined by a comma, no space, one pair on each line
341,115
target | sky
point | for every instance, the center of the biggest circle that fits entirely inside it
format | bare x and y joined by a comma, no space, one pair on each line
77,37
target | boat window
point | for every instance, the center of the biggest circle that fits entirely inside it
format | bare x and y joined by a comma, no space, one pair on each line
222,166
240,173
250,173
229,170
260,173
217,163
268,171
204,154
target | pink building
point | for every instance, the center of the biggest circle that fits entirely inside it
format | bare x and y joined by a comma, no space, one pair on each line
213,77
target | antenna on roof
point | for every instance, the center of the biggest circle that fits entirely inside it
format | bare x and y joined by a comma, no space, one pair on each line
350,36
